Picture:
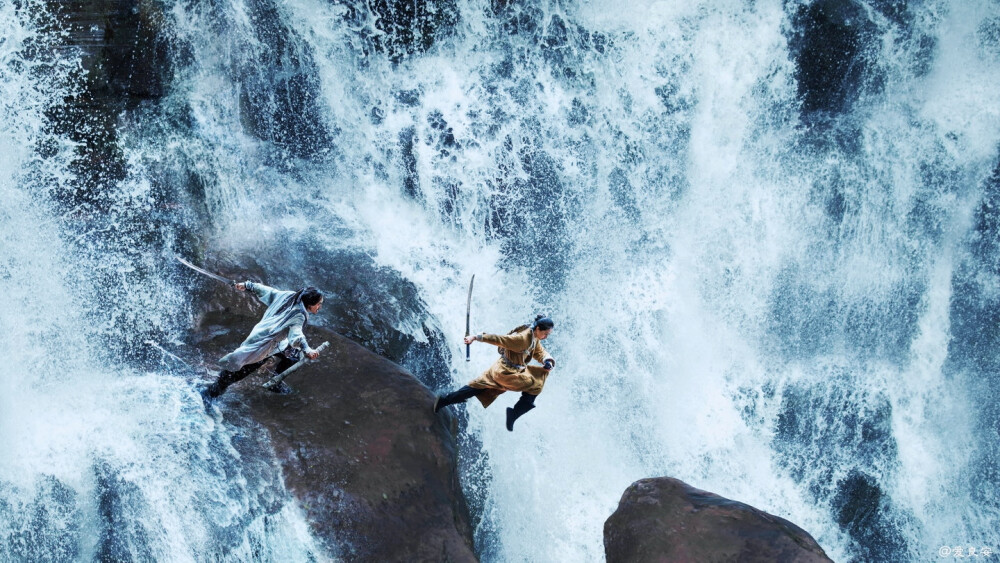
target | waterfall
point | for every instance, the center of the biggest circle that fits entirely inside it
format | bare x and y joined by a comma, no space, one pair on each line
765,230
102,460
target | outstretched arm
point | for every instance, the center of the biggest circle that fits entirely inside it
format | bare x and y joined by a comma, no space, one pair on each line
514,342
266,294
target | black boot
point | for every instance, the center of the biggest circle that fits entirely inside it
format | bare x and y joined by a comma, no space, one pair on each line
219,386
227,378
281,388
523,405
462,395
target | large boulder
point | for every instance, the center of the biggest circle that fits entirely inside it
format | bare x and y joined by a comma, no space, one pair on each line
372,468
664,519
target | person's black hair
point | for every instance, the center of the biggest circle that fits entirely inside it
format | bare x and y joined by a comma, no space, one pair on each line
542,322
310,296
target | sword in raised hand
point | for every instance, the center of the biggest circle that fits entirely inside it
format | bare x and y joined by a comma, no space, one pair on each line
468,310
206,272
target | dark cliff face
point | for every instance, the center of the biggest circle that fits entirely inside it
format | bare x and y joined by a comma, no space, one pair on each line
372,467
836,44
664,519
830,44
124,63
975,318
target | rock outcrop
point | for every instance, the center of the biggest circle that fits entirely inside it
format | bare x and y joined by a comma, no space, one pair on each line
667,520
373,469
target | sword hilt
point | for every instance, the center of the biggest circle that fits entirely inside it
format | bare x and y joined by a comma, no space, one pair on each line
278,378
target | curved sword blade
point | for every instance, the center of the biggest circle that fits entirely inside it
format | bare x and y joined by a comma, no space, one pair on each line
204,272
468,311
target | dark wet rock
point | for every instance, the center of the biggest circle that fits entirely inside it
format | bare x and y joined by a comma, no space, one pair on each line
280,93
120,505
521,19
407,28
822,427
126,67
666,520
830,42
832,425
556,37
124,62
408,98
862,510
373,469
121,45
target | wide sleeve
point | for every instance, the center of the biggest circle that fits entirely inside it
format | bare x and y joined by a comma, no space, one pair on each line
266,294
541,354
514,342
295,337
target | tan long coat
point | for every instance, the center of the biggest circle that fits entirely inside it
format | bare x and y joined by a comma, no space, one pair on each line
518,348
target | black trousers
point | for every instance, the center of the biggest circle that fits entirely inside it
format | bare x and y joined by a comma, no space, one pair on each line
465,393
227,378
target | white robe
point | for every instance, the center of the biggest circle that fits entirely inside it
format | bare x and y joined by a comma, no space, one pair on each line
275,332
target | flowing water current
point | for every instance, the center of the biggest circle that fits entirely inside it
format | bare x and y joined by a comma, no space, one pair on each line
773,270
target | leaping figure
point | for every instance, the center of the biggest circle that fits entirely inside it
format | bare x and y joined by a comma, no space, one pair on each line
511,371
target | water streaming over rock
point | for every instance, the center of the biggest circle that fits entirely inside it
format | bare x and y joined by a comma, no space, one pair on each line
766,231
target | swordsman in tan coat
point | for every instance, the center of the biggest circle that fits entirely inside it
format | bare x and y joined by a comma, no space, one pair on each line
511,371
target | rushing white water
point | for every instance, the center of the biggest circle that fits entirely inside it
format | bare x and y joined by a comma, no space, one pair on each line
715,317
100,461
749,298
